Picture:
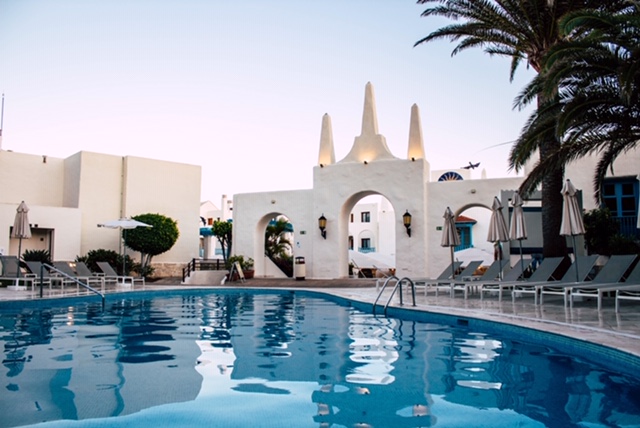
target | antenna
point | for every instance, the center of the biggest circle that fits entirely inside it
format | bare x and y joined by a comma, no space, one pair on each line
2,115
1,120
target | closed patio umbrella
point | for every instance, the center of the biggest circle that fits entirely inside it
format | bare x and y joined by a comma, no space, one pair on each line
572,223
450,236
21,227
518,227
123,223
498,231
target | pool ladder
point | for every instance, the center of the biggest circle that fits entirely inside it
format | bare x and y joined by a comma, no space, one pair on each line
397,287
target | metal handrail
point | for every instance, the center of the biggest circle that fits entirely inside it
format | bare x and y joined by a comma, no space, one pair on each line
395,288
382,291
399,286
76,280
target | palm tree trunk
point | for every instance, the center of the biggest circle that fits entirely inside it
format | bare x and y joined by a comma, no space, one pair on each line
553,244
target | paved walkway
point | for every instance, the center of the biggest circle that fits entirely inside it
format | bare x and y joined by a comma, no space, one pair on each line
618,330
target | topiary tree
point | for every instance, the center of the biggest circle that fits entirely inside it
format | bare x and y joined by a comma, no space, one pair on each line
151,241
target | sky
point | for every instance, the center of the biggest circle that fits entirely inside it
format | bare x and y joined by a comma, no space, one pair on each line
240,87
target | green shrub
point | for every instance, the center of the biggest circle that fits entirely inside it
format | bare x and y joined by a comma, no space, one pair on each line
112,257
245,264
42,256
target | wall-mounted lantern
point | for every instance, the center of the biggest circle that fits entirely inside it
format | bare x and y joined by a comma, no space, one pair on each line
322,224
406,220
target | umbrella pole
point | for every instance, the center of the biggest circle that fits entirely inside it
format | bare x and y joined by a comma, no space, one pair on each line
453,268
521,258
575,256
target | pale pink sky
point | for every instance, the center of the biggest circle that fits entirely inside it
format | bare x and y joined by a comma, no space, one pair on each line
240,87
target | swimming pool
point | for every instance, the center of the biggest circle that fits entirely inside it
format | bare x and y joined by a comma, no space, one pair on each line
295,359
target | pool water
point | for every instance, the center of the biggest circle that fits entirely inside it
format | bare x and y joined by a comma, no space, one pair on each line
284,359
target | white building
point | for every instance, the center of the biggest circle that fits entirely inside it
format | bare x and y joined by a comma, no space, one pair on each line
69,197
409,185
209,246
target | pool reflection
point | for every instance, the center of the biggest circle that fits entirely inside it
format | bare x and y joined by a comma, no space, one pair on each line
363,370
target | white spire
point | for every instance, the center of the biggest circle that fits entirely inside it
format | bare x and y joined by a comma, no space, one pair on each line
416,144
369,114
327,154
370,145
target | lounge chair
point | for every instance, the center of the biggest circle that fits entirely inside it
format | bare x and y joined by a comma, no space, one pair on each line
111,275
40,273
11,271
466,275
544,272
66,269
510,276
492,272
583,264
627,290
445,275
611,274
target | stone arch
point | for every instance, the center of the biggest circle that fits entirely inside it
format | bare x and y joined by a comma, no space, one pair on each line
343,224
259,241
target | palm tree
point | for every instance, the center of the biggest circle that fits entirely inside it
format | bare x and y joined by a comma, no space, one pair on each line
523,30
592,87
276,244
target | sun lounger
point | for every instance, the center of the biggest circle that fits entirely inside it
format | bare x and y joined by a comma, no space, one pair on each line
111,275
42,275
583,264
627,290
509,276
11,271
466,275
610,275
66,269
446,274
545,272
492,272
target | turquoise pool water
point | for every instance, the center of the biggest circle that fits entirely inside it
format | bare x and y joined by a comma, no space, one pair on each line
285,359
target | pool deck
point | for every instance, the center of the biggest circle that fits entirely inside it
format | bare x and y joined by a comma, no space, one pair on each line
583,321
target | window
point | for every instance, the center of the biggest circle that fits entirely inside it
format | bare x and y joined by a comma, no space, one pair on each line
620,195
351,241
365,243
365,217
351,218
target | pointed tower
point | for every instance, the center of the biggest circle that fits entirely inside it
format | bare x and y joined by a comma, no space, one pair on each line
369,146
327,154
416,144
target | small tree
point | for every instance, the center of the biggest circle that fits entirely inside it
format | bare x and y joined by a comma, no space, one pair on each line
151,241
223,232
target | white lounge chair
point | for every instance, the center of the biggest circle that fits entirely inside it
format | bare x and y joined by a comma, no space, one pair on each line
111,275
544,272
610,275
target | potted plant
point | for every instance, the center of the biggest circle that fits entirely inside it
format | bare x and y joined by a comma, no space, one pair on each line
246,264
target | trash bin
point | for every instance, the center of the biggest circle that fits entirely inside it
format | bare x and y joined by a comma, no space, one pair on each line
299,269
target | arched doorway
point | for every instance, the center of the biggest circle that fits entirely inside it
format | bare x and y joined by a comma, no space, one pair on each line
371,242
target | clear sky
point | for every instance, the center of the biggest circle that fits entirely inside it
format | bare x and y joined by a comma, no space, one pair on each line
240,87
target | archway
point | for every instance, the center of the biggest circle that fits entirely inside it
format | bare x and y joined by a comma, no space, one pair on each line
368,220
472,223
371,241
265,263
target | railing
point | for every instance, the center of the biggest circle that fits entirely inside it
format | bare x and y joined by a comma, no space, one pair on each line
628,225
197,264
397,287
365,250
76,280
